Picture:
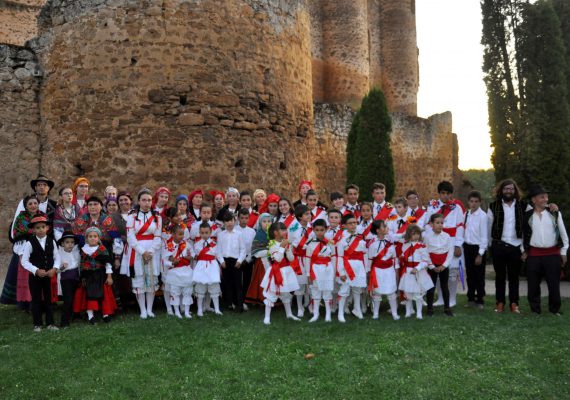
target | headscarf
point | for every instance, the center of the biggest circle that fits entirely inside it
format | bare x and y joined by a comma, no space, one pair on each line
194,193
215,193
261,239
309,183
272,198
182,197
158,192
78,182
93,229
110,199
108,189
258,191
232,190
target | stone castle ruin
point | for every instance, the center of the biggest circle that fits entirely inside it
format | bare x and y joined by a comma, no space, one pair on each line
208,93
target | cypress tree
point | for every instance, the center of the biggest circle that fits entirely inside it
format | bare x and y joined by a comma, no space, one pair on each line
369,156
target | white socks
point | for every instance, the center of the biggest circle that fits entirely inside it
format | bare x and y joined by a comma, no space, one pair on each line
216,301
89,314
167,302
392,299
301,308
142,305
177,311
187,311
357,311
409,308
452,292
375,308
149,303
267,319
200,305
316,307
328,306
419,305
341,304
289,313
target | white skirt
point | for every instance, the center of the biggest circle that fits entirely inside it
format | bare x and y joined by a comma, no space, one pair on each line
359,274
181,276
386,279
418,283
206,272
324,275
290,283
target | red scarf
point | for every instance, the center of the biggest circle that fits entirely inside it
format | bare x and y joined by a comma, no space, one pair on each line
349,254
378,262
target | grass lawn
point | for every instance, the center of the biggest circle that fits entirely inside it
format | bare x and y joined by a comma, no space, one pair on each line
477,354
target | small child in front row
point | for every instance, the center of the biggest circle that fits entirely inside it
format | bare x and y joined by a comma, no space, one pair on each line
279,280
320,252
383,262
176,259
96,274
415,280
207,269
69,276
41,258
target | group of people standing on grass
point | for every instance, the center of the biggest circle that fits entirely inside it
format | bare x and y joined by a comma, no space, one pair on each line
97,253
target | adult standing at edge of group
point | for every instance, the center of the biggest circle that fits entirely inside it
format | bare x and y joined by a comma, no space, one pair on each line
545,243
505,218
41,187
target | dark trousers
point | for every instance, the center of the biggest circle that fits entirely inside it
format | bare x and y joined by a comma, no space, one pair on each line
68,287
247,268
40,290
232,284
443,280
475,273
507,263
549,267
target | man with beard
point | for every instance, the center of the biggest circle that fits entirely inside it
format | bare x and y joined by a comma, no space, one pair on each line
505,220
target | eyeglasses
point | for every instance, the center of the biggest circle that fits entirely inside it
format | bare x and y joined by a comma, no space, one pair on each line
83,186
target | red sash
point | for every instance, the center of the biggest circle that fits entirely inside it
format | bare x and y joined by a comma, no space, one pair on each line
141,236
450,231
438,259
316,258
384,213
299,252
182,262
366,231
204,256
403,228
352,254
377,262
289,220
408,253
275,273
419,213
317,213
253,217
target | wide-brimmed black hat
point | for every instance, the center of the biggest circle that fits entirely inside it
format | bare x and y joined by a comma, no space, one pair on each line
66,235
41,178
536,190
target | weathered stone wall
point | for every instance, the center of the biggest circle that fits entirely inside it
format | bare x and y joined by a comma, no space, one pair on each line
19,129
424,150
183,93
18,20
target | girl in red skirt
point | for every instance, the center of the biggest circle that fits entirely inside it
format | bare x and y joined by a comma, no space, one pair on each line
96,275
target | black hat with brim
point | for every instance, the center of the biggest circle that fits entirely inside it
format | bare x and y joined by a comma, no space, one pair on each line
536,190
66,235
42,178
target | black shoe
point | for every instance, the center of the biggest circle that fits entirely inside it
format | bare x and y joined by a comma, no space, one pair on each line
448,312
64,324
92,321
430,312
239,310
107,319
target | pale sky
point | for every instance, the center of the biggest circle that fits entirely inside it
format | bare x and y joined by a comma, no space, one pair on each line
451,79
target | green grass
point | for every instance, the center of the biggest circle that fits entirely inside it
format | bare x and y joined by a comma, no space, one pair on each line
477,354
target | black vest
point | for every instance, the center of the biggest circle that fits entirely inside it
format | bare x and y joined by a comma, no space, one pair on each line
527,229
40,258
496,208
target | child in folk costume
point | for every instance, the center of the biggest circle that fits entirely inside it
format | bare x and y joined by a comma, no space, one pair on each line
141,260
260,256
69,276
320,252
176,259
334,235
160,201
96,275
364,226
246,202
299,235
286,214
248,235
381,209
415,280
351,251
41,261
207,271
440,247
383,262
453,224
352,206
182,209
398,224
317,212
475,247
337,200
206,213
195,198
280,279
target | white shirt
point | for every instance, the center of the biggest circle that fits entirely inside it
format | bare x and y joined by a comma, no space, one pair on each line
477,230
543,233
248,236
28,250
439,244
454,219
509,234
72,258
231,245
377,207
